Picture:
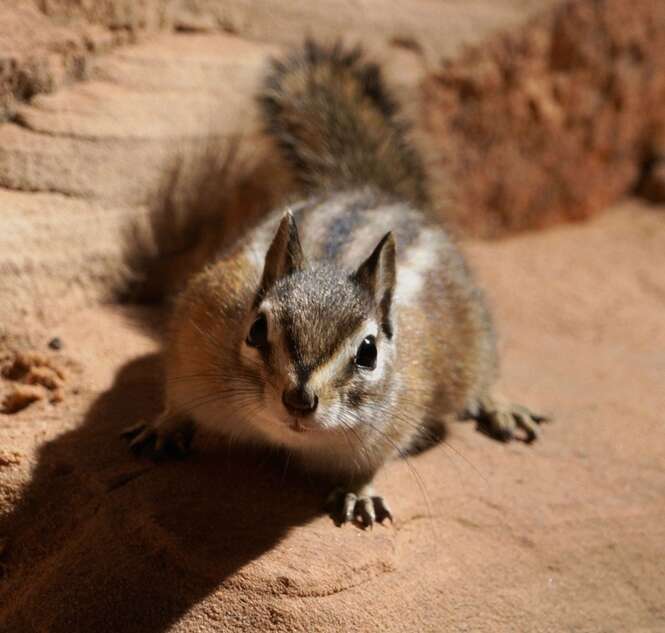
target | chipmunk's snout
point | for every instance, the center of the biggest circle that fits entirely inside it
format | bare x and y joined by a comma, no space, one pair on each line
300,400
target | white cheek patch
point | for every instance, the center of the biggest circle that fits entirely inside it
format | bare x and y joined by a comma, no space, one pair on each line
420,259
327,414
326,373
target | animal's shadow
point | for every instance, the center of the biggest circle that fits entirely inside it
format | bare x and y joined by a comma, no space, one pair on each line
102,540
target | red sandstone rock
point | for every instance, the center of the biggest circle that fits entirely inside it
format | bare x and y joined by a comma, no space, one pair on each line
551,122
533,112
494,537
40,55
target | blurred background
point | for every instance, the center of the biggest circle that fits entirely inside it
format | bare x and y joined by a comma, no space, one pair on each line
529,112
542,124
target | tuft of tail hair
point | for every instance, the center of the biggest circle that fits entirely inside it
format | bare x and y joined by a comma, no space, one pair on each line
337,124
204,204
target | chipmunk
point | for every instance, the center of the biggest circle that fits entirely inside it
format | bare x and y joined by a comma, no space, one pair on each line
345,327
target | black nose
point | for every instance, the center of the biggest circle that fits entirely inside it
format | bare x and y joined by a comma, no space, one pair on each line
300,400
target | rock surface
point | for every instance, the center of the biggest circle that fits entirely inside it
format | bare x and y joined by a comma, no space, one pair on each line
38,54
530,112
565,535
552,121
77,166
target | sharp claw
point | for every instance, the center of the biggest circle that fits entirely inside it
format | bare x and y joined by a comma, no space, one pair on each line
530,437
349,507
524,422
141,441
131,431
157,441
381,510
366,522
364,512
502,420
505,426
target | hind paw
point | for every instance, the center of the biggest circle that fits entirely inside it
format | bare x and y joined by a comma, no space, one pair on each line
507,421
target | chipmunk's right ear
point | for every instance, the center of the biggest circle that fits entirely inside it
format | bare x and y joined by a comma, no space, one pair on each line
285,255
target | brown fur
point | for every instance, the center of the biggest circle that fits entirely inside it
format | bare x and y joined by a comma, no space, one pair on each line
324,278
445,343
338,126
204,203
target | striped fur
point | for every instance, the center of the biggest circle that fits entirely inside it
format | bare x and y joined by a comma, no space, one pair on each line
326,285
337,124
441,356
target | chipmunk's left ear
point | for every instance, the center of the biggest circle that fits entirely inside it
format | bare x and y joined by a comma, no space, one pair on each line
377,275
285,255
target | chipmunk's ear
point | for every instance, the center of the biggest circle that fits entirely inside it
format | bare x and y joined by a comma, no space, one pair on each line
377,275
285,254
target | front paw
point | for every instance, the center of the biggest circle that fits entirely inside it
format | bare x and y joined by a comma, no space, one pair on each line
162,438
507,421
360,507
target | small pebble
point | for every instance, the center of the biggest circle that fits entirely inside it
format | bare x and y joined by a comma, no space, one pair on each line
55,343
19,398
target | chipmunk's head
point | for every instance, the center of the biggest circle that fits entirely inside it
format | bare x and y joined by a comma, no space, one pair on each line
321,340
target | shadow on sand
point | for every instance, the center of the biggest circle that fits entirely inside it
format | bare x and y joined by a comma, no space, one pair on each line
103,541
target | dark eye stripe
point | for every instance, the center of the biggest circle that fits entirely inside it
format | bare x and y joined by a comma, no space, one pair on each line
355,397
303,370
345,375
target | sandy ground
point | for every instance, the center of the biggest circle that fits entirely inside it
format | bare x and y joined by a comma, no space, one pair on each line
564,535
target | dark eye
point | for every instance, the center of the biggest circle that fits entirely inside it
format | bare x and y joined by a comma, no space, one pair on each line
366,354
258,333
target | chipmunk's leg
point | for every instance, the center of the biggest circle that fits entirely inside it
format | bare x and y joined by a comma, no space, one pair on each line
359,505
505,420
166,436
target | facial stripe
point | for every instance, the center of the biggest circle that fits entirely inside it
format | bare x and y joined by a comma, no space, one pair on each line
302,370
327,372
356,397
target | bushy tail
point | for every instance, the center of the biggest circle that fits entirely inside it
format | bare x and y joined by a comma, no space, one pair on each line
205,202
338,125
